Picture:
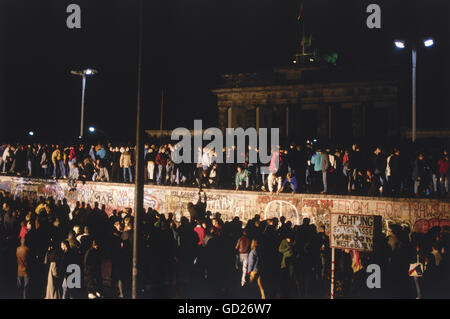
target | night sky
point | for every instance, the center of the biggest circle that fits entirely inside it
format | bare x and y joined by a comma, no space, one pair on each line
187,45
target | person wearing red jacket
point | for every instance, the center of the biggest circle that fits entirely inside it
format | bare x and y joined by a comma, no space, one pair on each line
200,232
161,161
243,248
72,159
443,165
274,175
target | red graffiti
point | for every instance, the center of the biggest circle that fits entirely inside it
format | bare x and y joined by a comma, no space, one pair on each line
318,203
424,225
420,210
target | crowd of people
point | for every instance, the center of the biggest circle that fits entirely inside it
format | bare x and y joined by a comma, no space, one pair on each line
43,242
301,168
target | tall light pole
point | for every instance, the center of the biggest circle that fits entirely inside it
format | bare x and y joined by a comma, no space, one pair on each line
400,44
83,74
139,168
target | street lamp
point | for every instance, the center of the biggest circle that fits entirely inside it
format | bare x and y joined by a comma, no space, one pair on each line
83,74
94,130
400,44
428,43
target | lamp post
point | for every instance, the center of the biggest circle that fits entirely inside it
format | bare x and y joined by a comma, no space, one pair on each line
136,285
83,74
400,44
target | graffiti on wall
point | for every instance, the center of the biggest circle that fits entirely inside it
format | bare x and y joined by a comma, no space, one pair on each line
278,208
419,214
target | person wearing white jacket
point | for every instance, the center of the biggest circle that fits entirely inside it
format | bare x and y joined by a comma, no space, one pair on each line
388,168
206,159
4,158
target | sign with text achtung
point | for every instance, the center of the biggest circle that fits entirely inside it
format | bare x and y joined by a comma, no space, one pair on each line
350,231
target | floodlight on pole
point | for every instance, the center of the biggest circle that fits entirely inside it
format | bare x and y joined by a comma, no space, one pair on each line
401,45
428,42
91,129
84,73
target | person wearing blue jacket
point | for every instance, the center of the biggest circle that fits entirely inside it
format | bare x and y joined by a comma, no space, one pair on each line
254,267
101,153
316,161
292,181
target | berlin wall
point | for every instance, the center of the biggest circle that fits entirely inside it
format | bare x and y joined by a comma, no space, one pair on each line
419,214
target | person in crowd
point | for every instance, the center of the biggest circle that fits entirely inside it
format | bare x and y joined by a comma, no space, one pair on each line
206,160
100,153
418,174
200,232
92,271
101,173
213,179
44,161
316,161
291,181
114,162
395,173
331,172
31,160
54,282
72,157
150,158
274,173
19,166
416,272
23,269
290,286
347,171
242,178
58,162
324,243
372,184
243,248
356,161
126,164
161,162
254,267
91,153
70,261
171,175
444,173
6,158
325,165
379,167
